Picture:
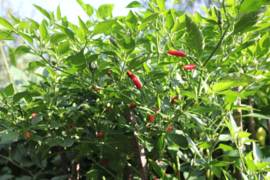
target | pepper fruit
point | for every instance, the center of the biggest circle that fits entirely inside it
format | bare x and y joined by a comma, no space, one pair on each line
27,134
109,73
104,162
129,74
189,66
70,126
177,53
151,118
34,115
136,81
132,106
99,135
261,135
169,128
173,100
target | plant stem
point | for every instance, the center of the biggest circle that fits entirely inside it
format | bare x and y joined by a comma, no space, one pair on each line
7,67
10,160
219,43
104,168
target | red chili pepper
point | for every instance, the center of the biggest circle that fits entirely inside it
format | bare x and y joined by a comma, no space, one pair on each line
93,87
107,109
96,90
177,53
151,118
190,66
136,81
99,135
104,162
109,73
165,173
173,100
132,106
70,126
157,109
176,174
155,159
169,128
129,74
156,179
27,134
111,83
34,115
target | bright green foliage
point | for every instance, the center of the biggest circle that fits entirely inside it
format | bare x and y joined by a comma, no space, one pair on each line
79,88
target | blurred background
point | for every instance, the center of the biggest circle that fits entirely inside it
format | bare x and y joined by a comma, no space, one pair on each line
14,67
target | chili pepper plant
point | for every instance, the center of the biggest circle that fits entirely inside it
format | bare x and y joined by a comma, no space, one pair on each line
186,78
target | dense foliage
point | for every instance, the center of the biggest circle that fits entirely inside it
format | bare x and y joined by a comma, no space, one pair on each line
113,89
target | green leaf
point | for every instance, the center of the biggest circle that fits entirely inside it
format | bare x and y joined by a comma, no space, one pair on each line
9,90
34,24
51,71
88,9
78,61
193,146
232,93
83,26
23,25
114,160
203,110
63,47
67,31
43,11
5,23
28,38
58,15
148,21
161,5
22,50
177,137
57,37
194,37
12,56
5,111
134,4
220,163
6,35
169,20
250,162
9,136
256,115
195,118
158,169
233,80
64,142
188,94
17,97
138,61
43,31
248,20
2,95
103,26
105,11
226,147
37,159
16,21
129,45
250,5
131,20
243,134
257,153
